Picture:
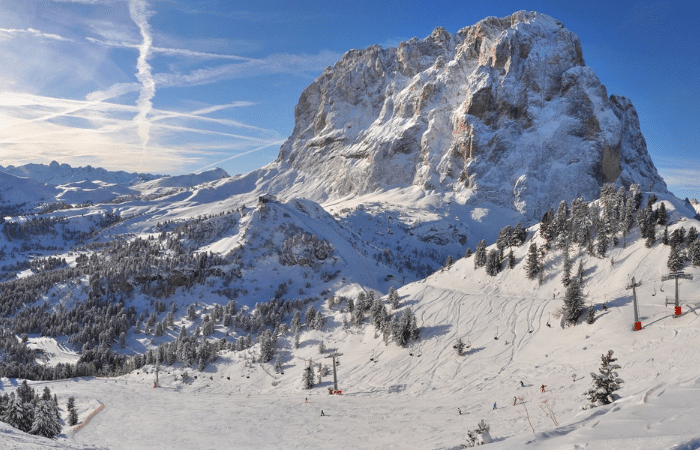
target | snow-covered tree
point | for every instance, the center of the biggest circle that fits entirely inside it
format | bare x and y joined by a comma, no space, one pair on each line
675,261
511,259
504,238
267,346
573,302
480,254
518,236
590,317
405,329
295,324
661,216
393,298
566,267
308,378
493,263
547,229
46,420
459,346
278,364
694,253
309,317
319,321
450,260
532,264
19,414
605,384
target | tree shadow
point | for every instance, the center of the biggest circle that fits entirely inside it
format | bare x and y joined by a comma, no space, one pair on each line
434,331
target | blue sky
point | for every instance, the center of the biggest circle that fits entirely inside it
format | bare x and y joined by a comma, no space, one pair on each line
175,86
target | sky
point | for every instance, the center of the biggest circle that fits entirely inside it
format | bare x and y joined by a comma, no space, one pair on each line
180,86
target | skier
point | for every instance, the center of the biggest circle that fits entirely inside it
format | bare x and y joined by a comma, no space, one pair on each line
542,388
306,400
522,384
574,377
515,401
322,413
494,405
459,411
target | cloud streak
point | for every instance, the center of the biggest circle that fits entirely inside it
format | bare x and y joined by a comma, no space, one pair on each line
140,13
170,51
11,32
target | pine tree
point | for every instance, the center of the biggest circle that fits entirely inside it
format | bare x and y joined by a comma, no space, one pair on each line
601,243
319,321
46,420
480,254
393,298
675,261
664,238
19,414
694,253
661,217
405,329
295,324
308,378
511,259
573,302
459,346
518,236
267,346
532,265
504,238
547,230
605,384
72,417
448,263
309,317
692,235
651,236
468,252
493,263
278,364
590,317
566,267
677,237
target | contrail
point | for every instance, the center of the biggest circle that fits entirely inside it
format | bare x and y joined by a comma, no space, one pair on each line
140,13
201,169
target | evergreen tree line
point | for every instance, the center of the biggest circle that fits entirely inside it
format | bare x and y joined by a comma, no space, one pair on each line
25,410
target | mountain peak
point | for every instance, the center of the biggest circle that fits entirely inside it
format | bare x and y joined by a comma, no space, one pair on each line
503,111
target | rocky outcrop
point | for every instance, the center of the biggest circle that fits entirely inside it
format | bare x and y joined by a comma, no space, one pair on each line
504,111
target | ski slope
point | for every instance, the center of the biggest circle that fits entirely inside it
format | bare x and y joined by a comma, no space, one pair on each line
396,398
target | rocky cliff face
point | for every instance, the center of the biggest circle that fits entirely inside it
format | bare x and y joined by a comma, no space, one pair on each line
504,111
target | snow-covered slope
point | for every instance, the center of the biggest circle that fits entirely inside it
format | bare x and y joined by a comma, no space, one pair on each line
396,398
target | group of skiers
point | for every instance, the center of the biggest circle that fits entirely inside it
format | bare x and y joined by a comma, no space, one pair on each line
543,389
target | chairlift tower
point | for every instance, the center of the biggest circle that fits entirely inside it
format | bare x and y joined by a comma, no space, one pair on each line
632,285
676,276
335,375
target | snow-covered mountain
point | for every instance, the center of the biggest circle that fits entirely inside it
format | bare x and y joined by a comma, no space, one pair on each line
401,160
55,174
504,111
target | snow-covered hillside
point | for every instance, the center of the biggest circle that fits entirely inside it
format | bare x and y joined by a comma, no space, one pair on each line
397,397
388,230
